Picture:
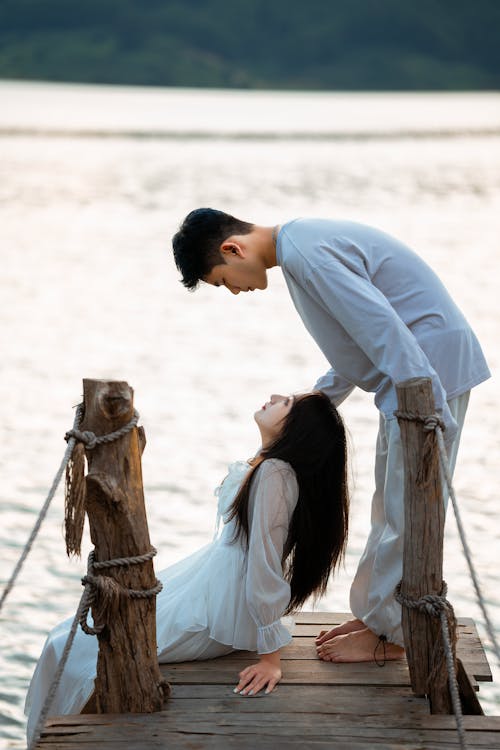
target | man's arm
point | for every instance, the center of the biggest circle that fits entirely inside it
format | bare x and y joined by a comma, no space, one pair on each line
334,386
373,324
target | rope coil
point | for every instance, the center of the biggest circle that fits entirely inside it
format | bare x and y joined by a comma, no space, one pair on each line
429,421
436,605
432,423
109,589
90,439
92,584
431,604
75,488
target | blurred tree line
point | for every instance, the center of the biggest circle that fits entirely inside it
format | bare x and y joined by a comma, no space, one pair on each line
318,44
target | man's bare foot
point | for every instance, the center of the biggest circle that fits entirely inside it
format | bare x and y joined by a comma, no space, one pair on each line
346,627
357,646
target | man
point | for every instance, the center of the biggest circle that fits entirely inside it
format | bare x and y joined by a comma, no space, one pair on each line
381,316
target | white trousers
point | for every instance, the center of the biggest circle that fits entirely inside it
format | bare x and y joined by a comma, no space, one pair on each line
381,564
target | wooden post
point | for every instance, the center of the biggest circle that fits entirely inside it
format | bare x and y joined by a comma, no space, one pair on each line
423,544
128,676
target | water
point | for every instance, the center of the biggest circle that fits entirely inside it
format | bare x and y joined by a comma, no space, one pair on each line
93,183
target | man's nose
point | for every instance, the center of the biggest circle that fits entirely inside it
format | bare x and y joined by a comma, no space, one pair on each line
234,290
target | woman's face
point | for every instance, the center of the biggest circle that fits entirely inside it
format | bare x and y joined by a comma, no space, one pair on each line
270,417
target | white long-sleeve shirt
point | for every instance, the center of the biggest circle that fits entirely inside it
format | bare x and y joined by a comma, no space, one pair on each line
378,312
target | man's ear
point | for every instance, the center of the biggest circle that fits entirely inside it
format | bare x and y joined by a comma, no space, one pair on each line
232,248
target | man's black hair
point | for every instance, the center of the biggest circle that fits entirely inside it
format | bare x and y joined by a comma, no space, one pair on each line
197,243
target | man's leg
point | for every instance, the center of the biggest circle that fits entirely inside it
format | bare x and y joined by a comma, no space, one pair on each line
361,583
380,567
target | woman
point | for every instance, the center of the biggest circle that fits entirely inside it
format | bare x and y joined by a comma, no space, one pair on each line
285,518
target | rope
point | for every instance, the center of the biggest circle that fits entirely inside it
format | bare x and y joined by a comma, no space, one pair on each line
436,605
57,676
90,440
109,588
92,585
445,467
45,508
435,423
429,421
75,489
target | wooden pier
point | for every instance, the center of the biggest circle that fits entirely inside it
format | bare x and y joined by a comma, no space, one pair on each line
357,706
317,704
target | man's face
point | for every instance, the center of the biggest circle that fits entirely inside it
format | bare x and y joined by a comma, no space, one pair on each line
240,273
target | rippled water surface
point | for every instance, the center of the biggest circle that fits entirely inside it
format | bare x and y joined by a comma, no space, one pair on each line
93,182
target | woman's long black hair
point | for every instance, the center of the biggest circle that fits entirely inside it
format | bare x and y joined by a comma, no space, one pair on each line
313,441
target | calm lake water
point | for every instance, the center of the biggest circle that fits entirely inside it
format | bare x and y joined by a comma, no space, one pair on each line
93,183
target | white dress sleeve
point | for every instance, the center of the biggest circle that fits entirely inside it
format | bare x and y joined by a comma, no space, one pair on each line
273,497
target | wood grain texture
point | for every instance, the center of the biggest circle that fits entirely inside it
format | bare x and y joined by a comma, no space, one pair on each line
423,542
316,706
128,677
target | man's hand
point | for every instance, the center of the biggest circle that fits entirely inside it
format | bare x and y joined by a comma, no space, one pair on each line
266,673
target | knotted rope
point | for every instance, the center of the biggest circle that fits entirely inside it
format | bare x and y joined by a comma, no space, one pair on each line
45,507
431,424
434,424
74,495
436,605
74,463
75,490
90,440
110,591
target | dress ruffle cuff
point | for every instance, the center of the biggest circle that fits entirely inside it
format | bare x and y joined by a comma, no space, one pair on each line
272,637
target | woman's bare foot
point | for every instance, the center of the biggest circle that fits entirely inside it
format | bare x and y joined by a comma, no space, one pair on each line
346,627
357,646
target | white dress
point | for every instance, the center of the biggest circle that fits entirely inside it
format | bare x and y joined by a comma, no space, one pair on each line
221,598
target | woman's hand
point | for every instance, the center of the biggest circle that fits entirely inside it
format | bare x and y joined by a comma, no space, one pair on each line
266,673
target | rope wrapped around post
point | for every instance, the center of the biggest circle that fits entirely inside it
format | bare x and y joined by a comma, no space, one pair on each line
74,494
434,425
109,589
431,423
436,605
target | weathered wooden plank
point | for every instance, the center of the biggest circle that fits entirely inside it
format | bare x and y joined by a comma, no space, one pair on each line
86,722
294,672
291,698
318,705
298,731
195,742
322,618
470,650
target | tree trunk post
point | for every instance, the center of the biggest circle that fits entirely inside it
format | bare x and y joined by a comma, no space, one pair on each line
128,676
423,542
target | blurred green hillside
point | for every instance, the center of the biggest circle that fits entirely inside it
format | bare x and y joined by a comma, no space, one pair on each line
315,44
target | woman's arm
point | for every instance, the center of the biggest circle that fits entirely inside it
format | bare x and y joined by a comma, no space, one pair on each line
267,673
272,500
